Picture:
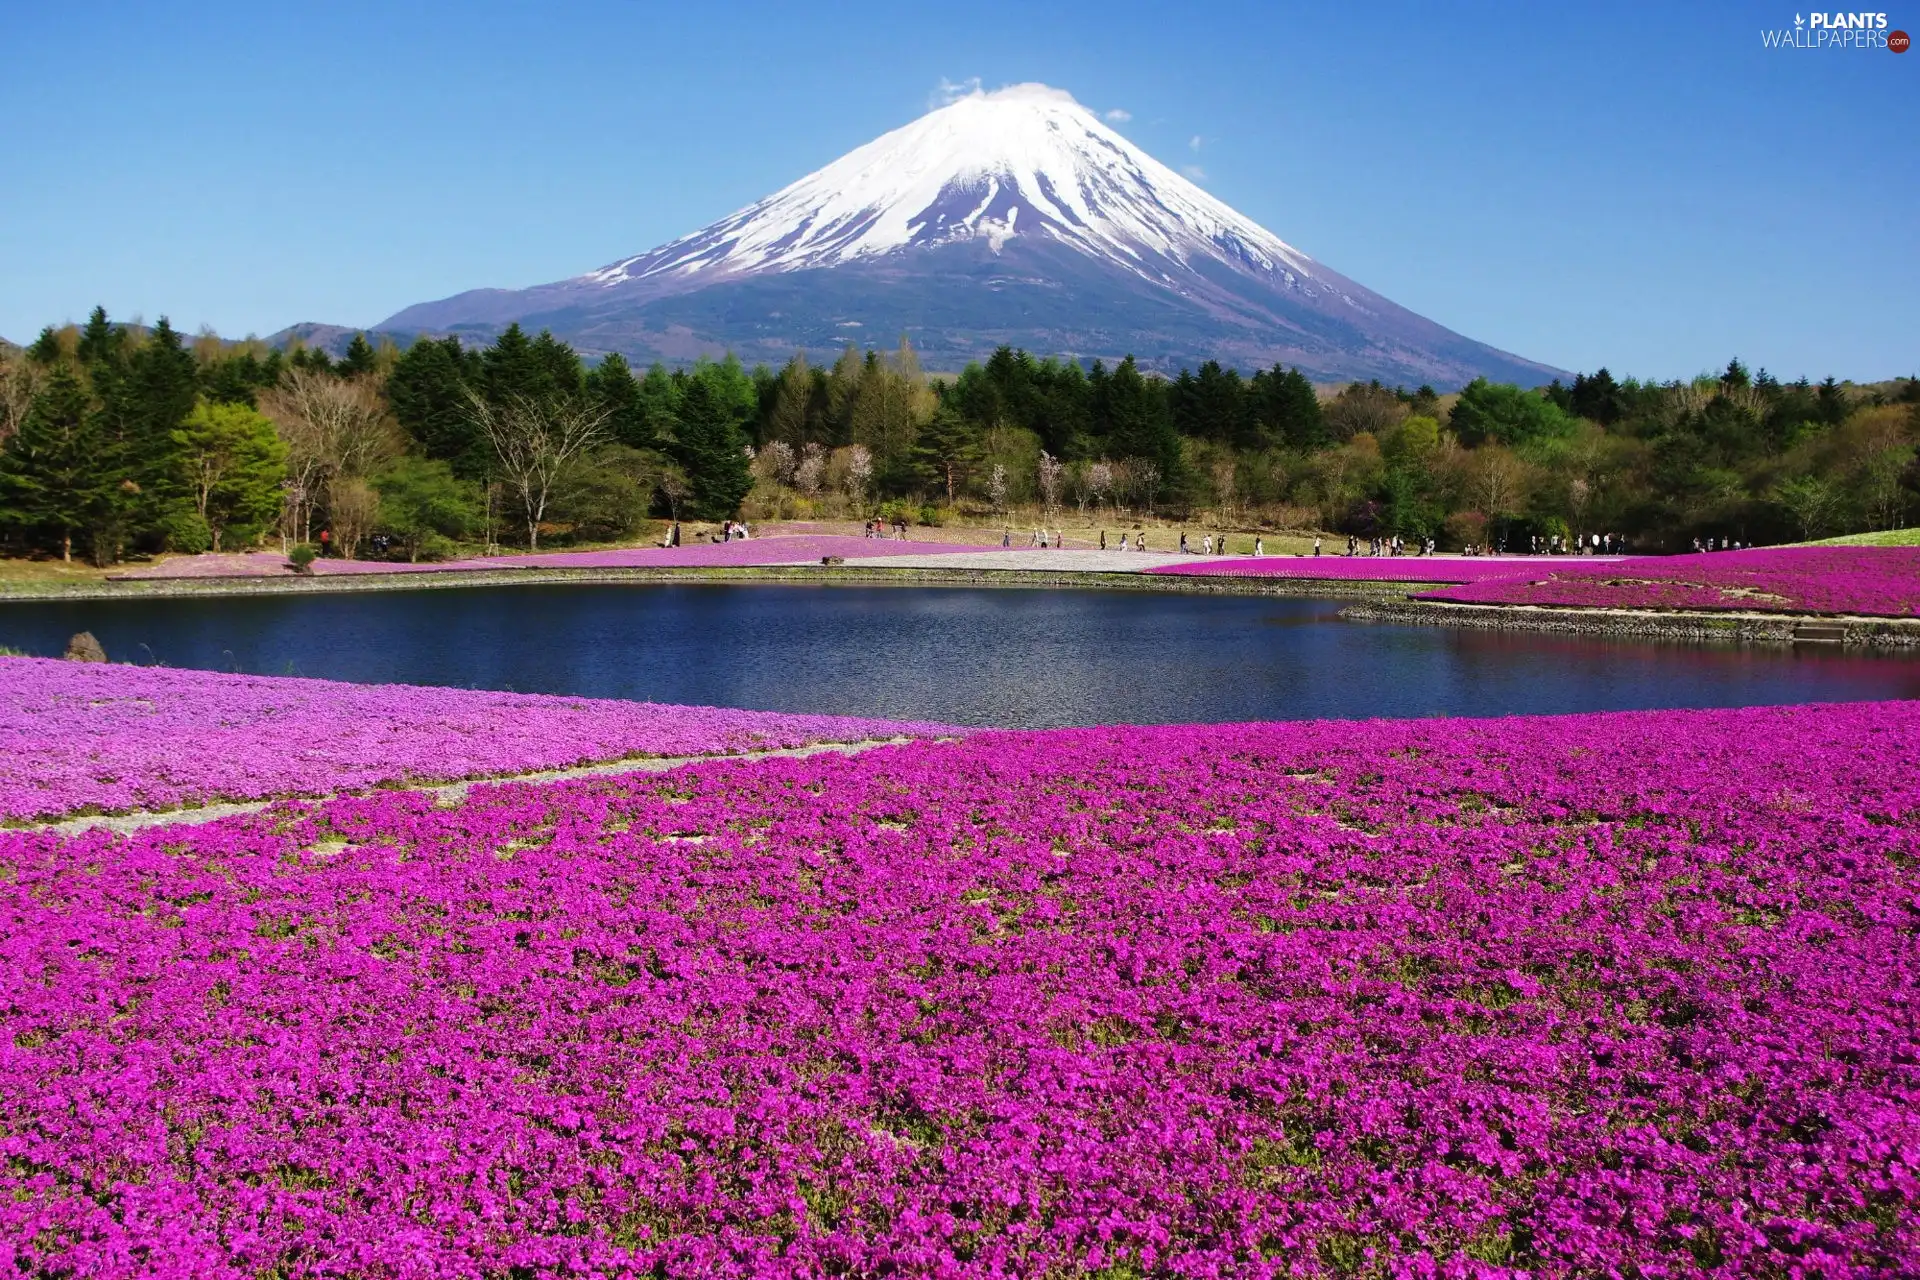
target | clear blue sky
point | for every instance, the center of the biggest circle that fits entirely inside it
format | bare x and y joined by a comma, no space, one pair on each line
1644,187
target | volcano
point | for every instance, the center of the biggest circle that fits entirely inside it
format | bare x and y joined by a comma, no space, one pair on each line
1016,218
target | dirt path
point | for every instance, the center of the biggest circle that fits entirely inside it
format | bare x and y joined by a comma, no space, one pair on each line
448,793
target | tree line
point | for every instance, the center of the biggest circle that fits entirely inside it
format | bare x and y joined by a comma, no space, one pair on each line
119,439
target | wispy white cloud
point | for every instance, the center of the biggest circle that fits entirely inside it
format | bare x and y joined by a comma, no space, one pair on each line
1119,115
948,91
1195,172
1193,143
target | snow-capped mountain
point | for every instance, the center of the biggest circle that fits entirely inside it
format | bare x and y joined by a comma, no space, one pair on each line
1013,217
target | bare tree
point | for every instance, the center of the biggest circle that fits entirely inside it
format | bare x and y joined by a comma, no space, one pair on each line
333,429
352,508
1363,407
1049,474
17,385
1146,481
675,488
535,442
343,424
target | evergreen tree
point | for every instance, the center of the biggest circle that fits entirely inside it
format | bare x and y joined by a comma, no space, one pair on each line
161,388
711,448
556,367
228,462
612,383
50,487
1288,409
359,359
947,451
428,392
45,350
659,404
100,340
508,367
1139,426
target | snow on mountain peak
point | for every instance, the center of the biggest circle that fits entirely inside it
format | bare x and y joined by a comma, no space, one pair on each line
1022,161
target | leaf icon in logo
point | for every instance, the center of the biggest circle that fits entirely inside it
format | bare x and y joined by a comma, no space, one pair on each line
1799,21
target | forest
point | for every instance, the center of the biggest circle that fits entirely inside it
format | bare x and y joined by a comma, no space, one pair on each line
120,440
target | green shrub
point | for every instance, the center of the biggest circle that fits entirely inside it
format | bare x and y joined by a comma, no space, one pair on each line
187,533
302,558
933,517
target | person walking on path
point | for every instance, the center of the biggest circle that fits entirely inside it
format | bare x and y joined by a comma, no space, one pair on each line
1183,542
1259,547
1103,539
1316,544
1006,539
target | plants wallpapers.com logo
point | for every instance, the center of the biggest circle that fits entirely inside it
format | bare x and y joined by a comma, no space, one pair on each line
1837,31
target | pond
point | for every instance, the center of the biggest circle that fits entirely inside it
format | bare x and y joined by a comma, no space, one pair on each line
1012,658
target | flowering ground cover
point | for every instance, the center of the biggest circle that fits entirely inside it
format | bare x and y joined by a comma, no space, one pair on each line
790,549
1628,995
1362,568
1880,581
86,738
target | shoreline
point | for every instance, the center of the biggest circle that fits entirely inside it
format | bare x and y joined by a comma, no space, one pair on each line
1850,631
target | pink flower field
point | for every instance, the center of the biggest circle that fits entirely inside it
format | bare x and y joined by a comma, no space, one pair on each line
83,738
1360,568
784,549
1876,581
1609,995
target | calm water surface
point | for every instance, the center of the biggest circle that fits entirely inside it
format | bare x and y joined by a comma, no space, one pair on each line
1015,658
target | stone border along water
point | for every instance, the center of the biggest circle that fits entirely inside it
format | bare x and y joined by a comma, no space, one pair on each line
444,793
1848,631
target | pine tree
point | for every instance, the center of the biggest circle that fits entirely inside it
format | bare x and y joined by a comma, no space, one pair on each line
359,359
160,389
612,383
428,392
1288,409
49,485
710,447
1138,424
100,340
948,450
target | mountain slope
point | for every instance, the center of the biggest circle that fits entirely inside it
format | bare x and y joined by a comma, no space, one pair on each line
1012,217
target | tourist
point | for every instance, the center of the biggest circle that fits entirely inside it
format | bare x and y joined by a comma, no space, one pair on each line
1139,540
1206,545
1123,539
1260,547
1103,540
1183,542
326,541
1006,538
1316,544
